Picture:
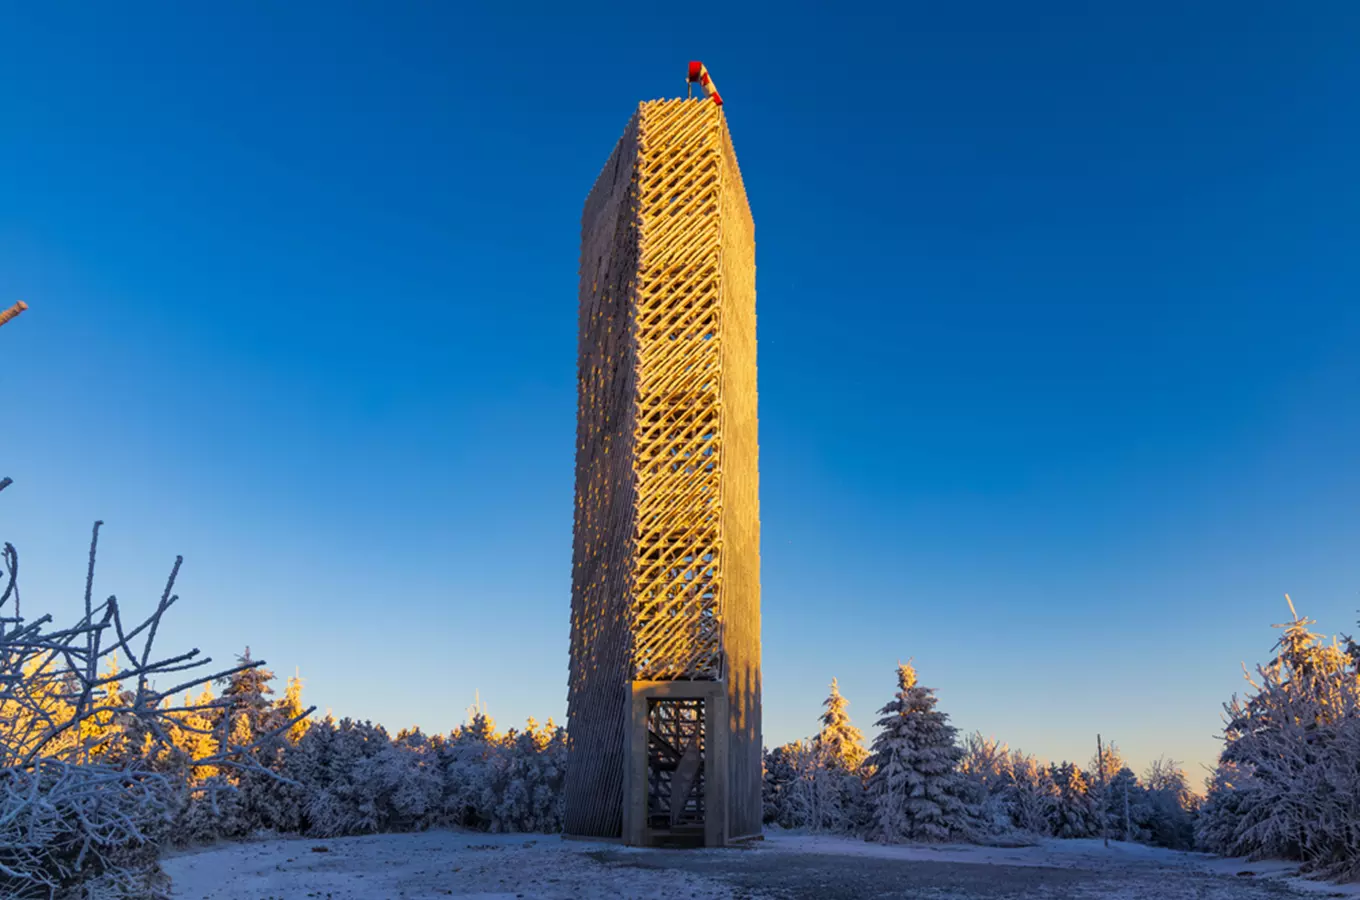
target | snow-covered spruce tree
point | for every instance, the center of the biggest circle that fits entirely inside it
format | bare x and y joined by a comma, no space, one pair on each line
277,804
1121,802
290,709
797,788
1103,768
1030,794
836,777
778,775
825,797
465,766
86,789
404,782
1288,783
1173,806
1127,812
1229,796
363,783
1073,811
840,743
243,711
523,785
915,792
818,784
246,707
986,765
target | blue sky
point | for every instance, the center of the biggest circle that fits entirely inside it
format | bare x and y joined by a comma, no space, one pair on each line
1058,340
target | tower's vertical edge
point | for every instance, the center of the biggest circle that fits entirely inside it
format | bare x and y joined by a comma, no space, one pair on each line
598,693
740,497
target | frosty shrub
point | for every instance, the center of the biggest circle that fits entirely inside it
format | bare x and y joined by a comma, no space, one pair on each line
1288,780
90,778
807,787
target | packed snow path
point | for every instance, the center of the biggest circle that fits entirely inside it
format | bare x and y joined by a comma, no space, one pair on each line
784,867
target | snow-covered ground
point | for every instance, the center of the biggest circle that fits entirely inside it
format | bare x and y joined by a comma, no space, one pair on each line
419,867
537,867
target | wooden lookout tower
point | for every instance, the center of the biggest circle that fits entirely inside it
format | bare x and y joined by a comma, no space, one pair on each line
664,695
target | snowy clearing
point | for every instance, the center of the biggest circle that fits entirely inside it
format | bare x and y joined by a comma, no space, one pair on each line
785,866
419,866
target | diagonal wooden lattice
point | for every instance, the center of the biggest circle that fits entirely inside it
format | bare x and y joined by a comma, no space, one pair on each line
665,581
677,578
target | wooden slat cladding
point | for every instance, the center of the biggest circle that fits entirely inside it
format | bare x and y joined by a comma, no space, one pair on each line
602,553
666,565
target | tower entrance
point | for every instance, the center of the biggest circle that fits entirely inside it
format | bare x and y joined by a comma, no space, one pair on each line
675,770
676,779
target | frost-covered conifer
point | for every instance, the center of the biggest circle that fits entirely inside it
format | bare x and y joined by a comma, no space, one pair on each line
523,785
779,774
1030,794
1289,773
1172,805
290,709
1128,815
1073,811
1122,810
986,765
1103,768
245,695
915,792
840,743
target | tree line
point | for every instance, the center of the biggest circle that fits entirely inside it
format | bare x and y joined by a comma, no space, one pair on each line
919,782
110,751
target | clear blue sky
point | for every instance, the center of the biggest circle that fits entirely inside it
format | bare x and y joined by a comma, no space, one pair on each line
1059,339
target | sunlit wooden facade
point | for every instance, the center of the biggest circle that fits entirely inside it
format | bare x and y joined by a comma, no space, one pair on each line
664,695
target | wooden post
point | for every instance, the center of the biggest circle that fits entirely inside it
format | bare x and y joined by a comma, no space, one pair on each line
1100,775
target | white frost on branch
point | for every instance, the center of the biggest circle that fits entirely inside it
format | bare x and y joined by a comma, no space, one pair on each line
83,804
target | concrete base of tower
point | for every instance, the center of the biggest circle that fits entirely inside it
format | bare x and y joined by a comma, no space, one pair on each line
675,779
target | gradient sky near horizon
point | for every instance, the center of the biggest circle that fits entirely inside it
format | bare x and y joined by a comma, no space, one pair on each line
1058,322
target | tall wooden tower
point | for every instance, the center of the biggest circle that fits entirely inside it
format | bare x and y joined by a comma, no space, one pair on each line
664,696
